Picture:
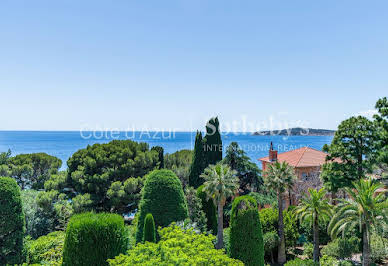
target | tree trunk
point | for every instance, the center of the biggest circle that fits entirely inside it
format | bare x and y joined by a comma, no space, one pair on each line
220,226
365,246
316,239
282,245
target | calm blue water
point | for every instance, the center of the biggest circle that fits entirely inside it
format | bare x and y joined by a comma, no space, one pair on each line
63,144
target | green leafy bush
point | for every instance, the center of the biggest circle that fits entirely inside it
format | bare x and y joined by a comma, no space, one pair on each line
46,249
341,248
300,262
11,222
209,209
163,197
176,247
246,236
308,249
271,241
331,261
91,239
149,233
379,248
194,206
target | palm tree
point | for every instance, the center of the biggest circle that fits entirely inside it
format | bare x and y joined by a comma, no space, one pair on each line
220,183
365,209
312,208
280,177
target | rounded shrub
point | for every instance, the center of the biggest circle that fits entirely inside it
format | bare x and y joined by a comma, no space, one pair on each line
149,233
209,209
163,197
92,238
11,222
246,236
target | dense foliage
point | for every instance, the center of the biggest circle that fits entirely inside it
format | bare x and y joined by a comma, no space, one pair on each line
246,236
342,248
247,171
11,222
160,152
91,239
107,167
179,162
194,206
149,233
198,162
353,145
210,210
46,249
29,170
163,197
176,247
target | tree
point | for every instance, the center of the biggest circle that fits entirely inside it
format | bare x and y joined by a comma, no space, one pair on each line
198,162
32,170
280,177
195,209
149,233
160,152
5,156
381,123
95,170
212,143
366,209
246,236
247,172
163,197
179,162
220,184
314,207
11,222
353,144
210,210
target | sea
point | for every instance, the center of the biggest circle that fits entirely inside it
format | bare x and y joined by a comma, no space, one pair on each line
63,144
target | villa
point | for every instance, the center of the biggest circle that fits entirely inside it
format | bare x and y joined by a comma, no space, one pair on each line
307,163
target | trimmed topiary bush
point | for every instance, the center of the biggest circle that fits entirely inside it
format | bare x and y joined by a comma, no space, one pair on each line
209,209
163,197
149,233
246,236
92,238
11,222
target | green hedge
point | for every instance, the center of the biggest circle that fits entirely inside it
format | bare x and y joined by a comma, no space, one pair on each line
92,238
209,209
11,222
163,197
246,236
149,233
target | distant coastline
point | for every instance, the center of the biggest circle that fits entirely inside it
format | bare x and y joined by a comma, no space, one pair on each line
296,131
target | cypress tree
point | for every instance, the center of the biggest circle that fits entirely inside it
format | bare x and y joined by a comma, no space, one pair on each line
212,142
160,152
149,233
246,236
197,164
11,222
209,209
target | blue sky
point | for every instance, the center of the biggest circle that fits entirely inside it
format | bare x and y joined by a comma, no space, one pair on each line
67,65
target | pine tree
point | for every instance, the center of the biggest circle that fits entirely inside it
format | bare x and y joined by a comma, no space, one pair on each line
212,142
197,165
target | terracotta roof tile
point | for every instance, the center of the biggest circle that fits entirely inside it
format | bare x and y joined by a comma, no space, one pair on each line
302,157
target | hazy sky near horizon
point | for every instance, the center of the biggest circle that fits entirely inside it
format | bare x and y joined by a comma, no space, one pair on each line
170,65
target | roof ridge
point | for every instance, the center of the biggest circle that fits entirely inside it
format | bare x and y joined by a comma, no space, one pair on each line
300,158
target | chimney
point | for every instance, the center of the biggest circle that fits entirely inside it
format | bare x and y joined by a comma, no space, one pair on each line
273,155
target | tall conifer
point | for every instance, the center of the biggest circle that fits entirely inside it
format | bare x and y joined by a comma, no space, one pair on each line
197,165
